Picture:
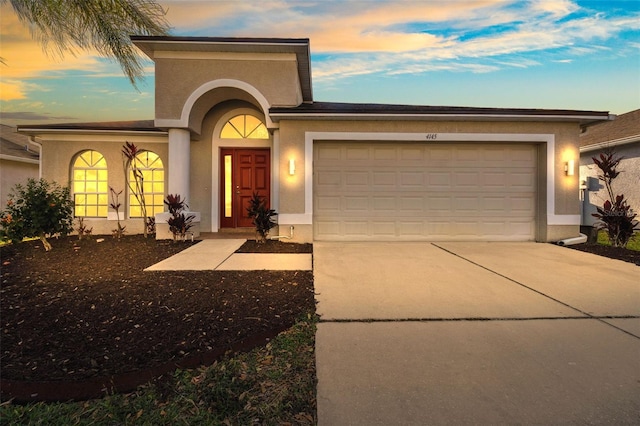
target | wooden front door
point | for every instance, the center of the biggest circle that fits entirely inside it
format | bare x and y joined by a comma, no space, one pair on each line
243,172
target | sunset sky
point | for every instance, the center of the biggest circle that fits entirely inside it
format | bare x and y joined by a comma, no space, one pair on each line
486,53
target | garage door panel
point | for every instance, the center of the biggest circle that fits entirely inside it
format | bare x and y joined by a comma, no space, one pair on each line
356,180
522,180
358,153
412,153
384,180
359,205
439,179
354,228
439,203
412,179
411,204
521,204
385,154
411,191
466,204
467,180
495,179
384,204
383,228
329,178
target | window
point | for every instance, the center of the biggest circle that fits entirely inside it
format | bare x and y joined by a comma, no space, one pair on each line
150,164
244,126
90,187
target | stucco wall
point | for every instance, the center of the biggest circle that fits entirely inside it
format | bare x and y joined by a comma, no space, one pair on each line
627,183
59,152
12,173
292,145
177,79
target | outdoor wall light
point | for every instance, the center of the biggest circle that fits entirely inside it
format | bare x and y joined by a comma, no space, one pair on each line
292,167
569,168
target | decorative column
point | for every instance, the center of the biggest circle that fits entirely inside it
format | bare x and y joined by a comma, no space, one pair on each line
179,161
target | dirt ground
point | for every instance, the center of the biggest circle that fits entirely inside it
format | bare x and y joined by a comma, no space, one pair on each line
87,309
611,252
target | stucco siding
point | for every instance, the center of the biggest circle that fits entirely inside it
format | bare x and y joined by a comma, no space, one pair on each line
12,173
273,81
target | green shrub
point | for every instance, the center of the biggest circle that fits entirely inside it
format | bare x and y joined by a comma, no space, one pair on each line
38,210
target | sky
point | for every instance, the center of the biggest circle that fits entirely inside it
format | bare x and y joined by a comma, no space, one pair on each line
557,54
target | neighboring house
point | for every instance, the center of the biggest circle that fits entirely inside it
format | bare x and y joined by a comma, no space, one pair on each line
235,116
19,161
623,136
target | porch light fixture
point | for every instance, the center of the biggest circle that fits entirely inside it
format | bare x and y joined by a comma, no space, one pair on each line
569,168
292,167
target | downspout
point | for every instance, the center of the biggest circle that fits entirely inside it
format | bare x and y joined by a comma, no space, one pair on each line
575,240
290,236
32,140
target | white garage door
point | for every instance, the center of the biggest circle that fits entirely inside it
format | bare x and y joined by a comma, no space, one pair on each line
416,191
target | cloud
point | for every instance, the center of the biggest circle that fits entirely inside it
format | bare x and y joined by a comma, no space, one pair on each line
395,37
25,58
11,90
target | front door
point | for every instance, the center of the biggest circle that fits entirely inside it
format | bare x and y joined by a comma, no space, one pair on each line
243,172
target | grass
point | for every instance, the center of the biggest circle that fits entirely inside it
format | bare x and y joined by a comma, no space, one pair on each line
271,385
633,244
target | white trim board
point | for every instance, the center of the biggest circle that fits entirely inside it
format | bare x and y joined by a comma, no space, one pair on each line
548,139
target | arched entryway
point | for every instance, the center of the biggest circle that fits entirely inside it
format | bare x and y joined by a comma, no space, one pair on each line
241,165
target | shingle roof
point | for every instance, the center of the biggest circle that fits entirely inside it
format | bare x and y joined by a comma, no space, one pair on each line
328,109
13,144
624,126
139,125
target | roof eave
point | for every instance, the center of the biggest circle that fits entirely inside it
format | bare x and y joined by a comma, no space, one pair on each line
582,119
610,144
19,159
33,131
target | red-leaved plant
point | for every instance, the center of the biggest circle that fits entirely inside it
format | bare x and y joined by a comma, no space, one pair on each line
135,179
616,216
179,223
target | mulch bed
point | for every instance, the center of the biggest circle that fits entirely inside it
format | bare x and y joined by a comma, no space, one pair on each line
619,253
86,309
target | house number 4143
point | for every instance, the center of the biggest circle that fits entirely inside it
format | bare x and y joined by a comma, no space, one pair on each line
431,136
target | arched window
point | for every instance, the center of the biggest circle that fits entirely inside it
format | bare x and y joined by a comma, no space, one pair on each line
90,186
244,126
150,165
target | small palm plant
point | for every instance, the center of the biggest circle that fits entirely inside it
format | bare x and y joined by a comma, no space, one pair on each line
262,216
179,223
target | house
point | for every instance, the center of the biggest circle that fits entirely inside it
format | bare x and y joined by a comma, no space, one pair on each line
235,116
19,160
622,136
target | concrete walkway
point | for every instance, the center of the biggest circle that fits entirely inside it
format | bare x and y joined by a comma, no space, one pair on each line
475,333
219,255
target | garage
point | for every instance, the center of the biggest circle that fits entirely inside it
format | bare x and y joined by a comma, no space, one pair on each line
436,191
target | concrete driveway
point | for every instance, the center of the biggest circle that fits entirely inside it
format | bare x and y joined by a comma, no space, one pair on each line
475,333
